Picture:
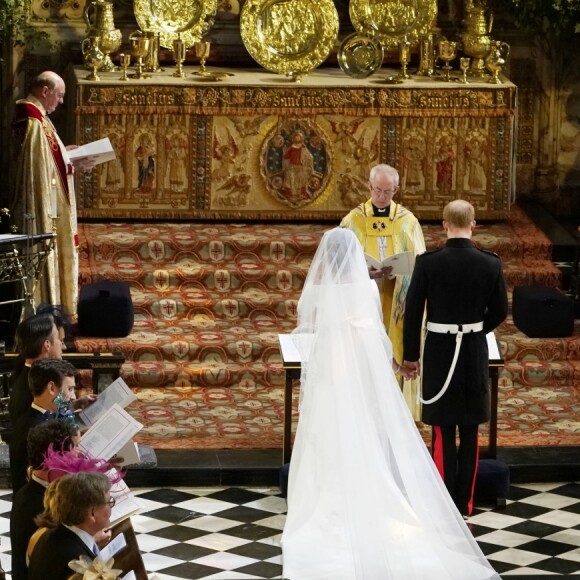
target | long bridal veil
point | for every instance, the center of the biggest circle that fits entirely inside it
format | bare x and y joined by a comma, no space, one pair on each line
365,501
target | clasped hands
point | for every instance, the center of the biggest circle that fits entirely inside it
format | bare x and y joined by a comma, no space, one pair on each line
409,370
375,274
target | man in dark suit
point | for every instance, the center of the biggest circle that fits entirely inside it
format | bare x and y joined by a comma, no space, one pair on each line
464,291
37,337
28,501
51,381
83,508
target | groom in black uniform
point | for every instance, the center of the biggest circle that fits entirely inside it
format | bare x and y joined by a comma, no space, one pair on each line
464,291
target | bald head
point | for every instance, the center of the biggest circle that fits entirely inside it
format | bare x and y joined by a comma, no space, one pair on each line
49,89
459,218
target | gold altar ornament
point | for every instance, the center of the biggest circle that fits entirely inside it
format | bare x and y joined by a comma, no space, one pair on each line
290,37
404,57
93,56
496,59
476,39
124,61
99,18
359,55
464,63
139,44
191,18
390,20
447,52
179,52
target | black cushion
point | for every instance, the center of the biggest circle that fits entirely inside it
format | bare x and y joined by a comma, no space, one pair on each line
105,309
284,473
542,312
492,481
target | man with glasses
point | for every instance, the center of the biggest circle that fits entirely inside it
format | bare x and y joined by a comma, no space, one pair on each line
44,187
82,505
384,228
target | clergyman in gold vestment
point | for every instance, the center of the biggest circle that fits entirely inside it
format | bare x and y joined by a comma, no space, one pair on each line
45,187
384,228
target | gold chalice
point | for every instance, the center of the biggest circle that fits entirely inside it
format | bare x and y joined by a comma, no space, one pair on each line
202,50
124,61
464,63
139,44
447,52
179,51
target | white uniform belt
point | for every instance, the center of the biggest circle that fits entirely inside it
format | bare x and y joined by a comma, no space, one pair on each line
454,328
459,330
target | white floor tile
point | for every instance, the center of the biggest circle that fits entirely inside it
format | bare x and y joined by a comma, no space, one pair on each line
218,542
518,557
559,518
205,505
550,500
210,523
225,560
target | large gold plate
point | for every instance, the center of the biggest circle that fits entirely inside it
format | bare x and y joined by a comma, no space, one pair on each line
390,20
190,18
289,36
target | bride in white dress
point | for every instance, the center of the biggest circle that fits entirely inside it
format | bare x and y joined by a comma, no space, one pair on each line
365,501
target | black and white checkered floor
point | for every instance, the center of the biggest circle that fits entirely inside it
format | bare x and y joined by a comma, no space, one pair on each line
234,533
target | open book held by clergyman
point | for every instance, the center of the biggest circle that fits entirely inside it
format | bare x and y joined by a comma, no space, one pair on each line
401,263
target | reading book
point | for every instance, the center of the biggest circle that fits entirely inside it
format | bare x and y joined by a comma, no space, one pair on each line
107,436
100,151
401,263
117,392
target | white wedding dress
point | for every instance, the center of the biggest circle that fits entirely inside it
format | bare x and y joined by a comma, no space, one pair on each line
365,500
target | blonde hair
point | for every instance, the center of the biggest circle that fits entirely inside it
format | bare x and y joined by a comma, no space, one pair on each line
459,214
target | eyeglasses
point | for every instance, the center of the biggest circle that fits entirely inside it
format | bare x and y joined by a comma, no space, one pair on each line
111,502
383,191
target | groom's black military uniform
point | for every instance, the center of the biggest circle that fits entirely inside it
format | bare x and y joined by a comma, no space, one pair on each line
459,285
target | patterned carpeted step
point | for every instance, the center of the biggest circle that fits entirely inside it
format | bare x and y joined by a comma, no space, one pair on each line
210,301
517,346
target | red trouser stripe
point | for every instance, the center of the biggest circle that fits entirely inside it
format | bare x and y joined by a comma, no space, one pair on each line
470,504
438,451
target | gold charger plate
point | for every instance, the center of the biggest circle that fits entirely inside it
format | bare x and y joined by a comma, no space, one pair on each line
389,20
359,55
289,36
190,18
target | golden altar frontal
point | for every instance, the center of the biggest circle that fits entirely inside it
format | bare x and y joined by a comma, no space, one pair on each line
258,146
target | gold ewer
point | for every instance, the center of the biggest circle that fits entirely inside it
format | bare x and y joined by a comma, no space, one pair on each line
99,19
93,56
476,39
496,60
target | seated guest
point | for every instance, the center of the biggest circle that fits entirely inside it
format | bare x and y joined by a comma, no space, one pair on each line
82,507
57,464
28,501
38,337
51,381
